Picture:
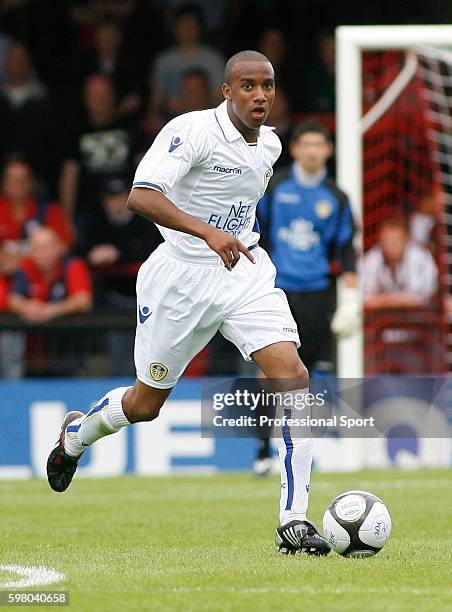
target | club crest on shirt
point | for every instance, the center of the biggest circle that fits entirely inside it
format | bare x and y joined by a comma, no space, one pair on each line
267,176
158,371
323,209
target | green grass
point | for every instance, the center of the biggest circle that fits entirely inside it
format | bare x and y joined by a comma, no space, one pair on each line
206,543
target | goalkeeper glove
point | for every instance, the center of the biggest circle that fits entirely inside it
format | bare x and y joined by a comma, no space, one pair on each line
347,317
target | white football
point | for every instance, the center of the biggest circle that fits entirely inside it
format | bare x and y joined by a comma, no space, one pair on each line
357,524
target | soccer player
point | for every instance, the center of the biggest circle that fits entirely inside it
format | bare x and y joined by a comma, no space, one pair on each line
200,183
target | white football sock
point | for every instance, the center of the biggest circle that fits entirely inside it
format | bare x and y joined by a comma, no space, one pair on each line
295,455
105,418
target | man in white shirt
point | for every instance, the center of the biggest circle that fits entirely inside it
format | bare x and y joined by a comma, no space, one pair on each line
200,182
397,272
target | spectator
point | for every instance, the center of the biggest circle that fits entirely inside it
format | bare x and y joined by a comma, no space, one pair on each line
21,83
107,58
49,284
101,147
188,53
117,244
319,81
20,211
196,92
272,44
215,14
397,273
25,126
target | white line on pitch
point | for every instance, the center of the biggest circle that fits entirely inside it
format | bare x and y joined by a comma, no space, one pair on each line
30,576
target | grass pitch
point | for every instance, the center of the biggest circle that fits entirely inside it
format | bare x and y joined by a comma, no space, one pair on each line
206,543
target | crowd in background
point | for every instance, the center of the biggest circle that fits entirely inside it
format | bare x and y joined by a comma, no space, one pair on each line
85,86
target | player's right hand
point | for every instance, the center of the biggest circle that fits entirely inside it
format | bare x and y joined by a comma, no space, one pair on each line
226,246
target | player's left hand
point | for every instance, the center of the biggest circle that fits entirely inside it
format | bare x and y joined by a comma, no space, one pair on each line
347,317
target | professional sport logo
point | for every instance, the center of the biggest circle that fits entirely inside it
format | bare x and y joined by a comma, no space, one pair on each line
158,371
175,142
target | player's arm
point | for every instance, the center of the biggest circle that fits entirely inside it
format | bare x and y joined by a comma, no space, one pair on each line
398,299
153,205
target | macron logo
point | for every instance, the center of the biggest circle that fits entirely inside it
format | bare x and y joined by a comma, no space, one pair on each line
144,314
224,170
175,142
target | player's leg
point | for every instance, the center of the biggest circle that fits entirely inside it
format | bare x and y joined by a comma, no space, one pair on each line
263,464
280,362
118,408
175,321
302,312
262,327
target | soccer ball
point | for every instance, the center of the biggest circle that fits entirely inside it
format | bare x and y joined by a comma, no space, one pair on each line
357,524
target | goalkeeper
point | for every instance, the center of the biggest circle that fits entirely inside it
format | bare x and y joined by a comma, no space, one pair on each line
307,223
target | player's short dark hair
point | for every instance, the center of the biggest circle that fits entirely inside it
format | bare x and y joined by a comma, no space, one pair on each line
308,127
242,56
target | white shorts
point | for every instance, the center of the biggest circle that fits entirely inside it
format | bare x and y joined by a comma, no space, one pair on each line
182,303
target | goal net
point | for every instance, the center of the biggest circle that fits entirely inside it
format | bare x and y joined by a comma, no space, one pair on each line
403,151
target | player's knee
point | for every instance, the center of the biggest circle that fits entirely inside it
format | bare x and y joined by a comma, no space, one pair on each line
143,411
139,408
299,373
149,411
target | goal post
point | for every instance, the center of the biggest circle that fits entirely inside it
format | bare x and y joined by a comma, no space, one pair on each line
351,42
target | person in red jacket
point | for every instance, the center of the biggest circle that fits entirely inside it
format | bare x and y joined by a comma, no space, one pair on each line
20,211
49,283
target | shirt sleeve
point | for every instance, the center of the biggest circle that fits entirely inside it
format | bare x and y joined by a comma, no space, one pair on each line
346,251
423,277
177,148
78,278
346,226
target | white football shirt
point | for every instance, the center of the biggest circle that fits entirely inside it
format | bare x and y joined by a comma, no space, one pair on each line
202,163
416,273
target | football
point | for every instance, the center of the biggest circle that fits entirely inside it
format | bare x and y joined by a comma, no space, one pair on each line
357,524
